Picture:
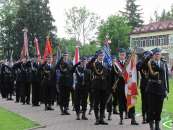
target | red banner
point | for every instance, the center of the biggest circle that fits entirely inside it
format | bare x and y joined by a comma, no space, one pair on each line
37,48
48,49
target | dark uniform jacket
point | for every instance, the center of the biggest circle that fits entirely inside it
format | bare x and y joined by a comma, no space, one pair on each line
25,75
121,81
100,76
36,72
66,73
82,77
7,74
158,84
142,67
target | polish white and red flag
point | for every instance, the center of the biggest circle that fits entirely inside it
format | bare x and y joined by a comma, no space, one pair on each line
131,84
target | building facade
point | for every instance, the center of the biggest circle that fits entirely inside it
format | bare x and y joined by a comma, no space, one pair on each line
157,34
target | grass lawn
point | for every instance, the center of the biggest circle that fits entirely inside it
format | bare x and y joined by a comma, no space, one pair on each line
12,121
168,104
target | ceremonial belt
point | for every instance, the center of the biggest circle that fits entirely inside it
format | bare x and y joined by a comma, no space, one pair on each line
98,77
155,81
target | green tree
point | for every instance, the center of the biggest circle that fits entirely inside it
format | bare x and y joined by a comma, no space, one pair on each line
133,13
156,16
165,15
70,45
117,28
8,13
67,45
81,24
35,15
88,49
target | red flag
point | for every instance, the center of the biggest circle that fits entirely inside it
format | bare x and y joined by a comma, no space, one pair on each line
48,49
76,56
37,48
24,52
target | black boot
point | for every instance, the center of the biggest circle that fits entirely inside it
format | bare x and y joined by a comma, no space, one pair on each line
133,121
103,115
97,118
46,107
121,119
157,125
126,115
50,108
61,109
66,111
102,122
78,116
144,121
109,116
151,125
84,116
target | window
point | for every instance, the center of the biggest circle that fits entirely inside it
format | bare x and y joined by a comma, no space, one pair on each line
161,41
141,43
135,42
151,41
166,40
138,42
157,40
147,42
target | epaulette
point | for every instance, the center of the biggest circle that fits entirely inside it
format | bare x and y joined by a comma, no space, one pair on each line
164,60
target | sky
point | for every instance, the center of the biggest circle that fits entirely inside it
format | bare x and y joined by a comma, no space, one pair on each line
103,8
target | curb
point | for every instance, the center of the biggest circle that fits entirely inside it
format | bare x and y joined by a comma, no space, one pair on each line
37,127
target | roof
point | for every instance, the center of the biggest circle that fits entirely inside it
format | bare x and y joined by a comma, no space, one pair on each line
154,27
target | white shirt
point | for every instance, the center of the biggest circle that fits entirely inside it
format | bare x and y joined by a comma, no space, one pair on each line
158,63
122,61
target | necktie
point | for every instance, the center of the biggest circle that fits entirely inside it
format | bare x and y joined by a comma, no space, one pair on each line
158,64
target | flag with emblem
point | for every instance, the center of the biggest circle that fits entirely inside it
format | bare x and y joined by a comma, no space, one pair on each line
131,84
107,53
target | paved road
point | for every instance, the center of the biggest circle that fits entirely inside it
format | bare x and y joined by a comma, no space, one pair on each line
52,120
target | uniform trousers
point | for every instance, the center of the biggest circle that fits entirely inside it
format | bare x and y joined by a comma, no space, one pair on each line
155,105
81,96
